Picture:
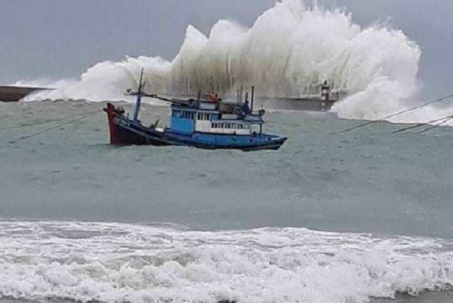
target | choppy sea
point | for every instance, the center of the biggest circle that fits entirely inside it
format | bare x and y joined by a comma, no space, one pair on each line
363,216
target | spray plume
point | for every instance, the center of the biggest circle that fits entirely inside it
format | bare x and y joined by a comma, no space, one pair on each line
288,52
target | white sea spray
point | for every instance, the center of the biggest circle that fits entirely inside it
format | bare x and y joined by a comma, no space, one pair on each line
114,262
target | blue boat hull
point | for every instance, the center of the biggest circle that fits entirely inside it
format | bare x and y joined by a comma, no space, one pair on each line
124,131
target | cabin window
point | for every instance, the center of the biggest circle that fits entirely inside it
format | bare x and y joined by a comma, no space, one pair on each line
203,116
187,115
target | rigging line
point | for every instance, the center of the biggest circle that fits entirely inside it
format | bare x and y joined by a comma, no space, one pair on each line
435,126
39,123
396,114
420,124
32,124
54,127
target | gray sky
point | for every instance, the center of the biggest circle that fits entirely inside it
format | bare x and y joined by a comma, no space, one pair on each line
62,38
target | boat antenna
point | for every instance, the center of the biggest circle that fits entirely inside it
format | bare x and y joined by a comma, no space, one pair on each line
397,113
241,92
252,98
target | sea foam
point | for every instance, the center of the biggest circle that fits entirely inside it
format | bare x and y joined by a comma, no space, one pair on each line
113,262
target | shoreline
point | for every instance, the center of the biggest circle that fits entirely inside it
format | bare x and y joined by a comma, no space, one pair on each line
426,297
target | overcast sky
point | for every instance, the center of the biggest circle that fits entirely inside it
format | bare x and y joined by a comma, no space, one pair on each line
62,38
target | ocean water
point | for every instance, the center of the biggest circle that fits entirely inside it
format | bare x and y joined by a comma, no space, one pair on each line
355,217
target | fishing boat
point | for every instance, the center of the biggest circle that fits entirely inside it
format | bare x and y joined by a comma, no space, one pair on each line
208,124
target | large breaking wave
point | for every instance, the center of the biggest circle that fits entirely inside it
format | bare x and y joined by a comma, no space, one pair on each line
110,262
288,52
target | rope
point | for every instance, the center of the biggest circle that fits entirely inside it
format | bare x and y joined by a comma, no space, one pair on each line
397,113
421,124
55,127
438,125
38,123
32,124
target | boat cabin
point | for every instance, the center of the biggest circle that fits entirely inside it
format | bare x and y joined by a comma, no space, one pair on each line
206,118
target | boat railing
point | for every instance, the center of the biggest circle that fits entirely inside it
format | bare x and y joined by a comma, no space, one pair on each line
254,119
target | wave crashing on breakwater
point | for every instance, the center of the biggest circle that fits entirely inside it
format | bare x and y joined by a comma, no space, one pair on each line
288,52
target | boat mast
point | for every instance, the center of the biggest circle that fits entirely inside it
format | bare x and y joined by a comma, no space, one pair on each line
252,99
139,97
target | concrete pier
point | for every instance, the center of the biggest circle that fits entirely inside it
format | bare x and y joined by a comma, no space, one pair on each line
15,93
